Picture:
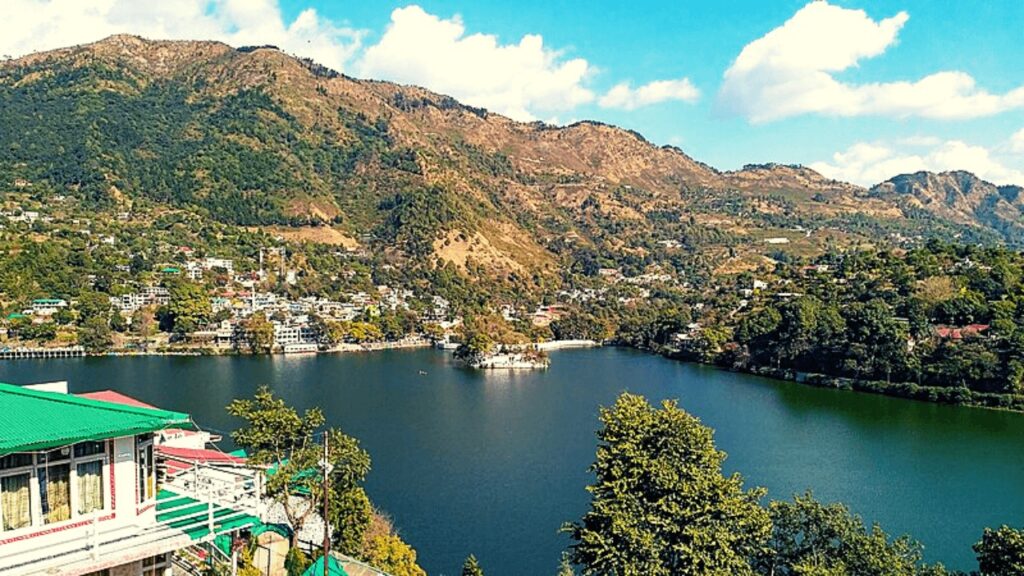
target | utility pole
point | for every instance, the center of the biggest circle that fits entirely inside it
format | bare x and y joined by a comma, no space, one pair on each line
326,490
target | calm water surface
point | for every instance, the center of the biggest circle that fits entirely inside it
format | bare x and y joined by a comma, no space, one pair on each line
494,463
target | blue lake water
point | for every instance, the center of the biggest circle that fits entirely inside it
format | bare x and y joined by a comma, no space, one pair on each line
493,463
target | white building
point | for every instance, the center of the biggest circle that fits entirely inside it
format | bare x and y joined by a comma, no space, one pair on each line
47,306
80,491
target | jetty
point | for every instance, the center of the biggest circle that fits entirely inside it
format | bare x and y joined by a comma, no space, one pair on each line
19,353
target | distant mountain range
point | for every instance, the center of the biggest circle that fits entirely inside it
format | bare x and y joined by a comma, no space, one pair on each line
258,138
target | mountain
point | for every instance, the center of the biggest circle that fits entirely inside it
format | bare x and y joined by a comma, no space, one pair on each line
257,138
959,197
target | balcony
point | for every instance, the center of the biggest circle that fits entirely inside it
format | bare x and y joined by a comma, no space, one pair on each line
196,503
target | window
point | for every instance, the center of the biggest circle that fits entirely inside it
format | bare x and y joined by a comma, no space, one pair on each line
155,565
54,492
147,470
53,486
84,449
90,486
15,503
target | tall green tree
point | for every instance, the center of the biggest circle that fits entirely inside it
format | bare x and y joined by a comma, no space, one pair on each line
276,435
189,308
660,505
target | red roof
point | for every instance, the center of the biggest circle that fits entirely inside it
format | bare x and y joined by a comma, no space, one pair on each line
960,333
184,458
116,398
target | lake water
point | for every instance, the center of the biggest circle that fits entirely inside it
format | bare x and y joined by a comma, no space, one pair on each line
494,463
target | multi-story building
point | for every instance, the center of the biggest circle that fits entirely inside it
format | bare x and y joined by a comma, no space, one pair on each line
85,488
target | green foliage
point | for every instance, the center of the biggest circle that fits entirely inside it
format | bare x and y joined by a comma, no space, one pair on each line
94,335
660,504
296,562
477,345
25,329
471,567
189,308
93,305
813,538
565,567
418,216
275,434
259,334
385,550
1001,552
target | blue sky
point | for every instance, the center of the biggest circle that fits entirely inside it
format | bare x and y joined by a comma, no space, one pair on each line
860,90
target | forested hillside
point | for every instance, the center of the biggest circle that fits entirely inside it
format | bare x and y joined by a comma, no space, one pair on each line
255,137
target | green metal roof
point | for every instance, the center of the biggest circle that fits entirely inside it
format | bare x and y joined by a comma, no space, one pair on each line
37,420
333,567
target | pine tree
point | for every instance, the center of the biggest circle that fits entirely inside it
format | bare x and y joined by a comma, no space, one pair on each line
660,505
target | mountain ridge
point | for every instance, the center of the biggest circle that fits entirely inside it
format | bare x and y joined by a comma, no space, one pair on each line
256,137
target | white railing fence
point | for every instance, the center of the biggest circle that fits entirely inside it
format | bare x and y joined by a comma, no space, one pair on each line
197,502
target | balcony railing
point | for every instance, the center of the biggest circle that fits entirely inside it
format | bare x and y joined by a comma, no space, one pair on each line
195,505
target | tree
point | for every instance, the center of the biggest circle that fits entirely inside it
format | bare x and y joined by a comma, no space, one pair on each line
329,331
142,323
259,334
1001,552
363,332
189,307
64,316
296,562
660,505
471,567
825,539
386,551
91,305
118,322
94,335
478,344
276,435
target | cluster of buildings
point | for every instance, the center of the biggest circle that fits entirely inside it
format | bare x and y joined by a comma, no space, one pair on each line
101,484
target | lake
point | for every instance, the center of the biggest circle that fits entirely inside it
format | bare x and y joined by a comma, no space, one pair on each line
493,463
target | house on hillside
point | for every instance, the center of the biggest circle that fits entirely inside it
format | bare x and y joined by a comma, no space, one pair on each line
107,485
48,306
959,333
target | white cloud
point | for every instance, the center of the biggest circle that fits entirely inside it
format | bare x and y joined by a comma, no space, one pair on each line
518,80
35,25
867,163
625,97
1017,141
790,71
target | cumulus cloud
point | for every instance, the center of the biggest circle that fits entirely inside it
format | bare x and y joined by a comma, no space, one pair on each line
791,71
518,80
627,98
34,25
868,163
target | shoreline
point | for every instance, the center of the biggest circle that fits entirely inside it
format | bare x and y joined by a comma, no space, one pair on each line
950,396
